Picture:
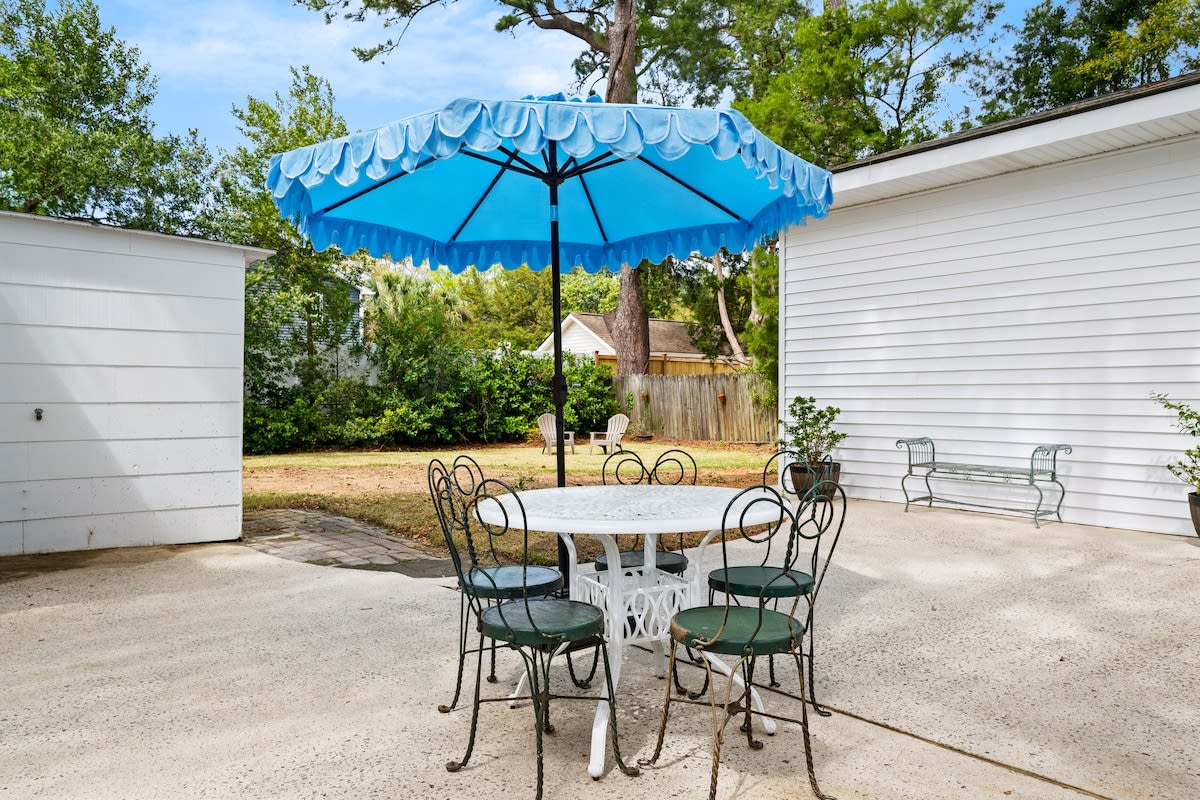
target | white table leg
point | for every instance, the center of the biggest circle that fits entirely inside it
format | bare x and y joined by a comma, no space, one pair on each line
660,659
615,608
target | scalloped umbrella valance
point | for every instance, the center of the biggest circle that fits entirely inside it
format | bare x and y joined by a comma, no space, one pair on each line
548,182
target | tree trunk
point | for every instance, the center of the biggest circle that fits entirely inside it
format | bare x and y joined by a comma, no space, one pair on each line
622,53
630,325
735,347
756,316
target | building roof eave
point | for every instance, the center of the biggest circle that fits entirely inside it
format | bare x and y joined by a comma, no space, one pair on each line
1129,118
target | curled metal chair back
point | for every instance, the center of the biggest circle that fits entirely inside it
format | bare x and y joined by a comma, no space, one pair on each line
819,523
777,540
452,489
674,468
776,471
509,535
624,467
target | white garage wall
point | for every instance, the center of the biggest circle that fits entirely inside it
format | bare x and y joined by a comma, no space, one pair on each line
1039,306
131,343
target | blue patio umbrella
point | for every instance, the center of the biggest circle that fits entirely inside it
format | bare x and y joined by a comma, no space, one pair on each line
548,182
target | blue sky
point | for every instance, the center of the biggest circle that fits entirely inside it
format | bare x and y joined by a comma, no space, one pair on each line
210,55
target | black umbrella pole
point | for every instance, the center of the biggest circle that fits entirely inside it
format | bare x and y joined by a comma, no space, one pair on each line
558,386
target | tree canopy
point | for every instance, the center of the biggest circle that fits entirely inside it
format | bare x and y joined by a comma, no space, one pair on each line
76,137
300,316
1069,51
854,81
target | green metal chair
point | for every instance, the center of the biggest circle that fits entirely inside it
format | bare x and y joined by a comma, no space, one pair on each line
773,624
819,520
674,467
537,627
489,579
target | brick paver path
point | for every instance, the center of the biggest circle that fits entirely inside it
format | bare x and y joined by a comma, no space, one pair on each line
316,537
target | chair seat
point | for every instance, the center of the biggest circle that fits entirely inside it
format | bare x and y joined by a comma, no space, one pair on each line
741,634
511,581
542,622
666,560
763,582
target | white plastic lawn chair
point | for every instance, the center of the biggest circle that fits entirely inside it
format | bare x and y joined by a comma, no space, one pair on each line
546,426
611,438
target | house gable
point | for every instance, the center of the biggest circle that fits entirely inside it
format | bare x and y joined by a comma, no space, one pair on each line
578,338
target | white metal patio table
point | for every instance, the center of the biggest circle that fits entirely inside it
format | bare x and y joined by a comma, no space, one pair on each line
639,603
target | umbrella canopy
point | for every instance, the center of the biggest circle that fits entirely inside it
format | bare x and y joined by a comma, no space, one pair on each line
548,182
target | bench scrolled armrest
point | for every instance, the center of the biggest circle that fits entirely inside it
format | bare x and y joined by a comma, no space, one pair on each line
920,450
1045,459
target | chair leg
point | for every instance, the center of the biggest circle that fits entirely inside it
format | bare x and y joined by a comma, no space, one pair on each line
808,757
463,615
746,702
812,683
583,683
666,712
683,690
491,678
718,727
455,766
540,703
612,715
771,673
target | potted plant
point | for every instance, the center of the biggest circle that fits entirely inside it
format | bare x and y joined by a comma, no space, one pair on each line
1186,469
810,434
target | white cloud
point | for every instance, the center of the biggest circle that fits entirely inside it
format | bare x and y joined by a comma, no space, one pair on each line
209,56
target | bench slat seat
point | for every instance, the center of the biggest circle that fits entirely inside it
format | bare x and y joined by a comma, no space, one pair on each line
1042,469
982,470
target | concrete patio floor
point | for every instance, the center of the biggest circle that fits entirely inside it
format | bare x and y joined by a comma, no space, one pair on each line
966,655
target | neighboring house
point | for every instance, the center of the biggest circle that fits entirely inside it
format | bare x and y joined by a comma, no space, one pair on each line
671,350
1027,282
343,360
120,386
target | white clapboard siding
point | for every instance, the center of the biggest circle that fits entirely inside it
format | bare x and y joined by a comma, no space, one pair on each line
578,339
131,345
1042,305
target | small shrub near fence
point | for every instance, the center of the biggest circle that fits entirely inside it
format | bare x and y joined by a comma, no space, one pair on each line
718,408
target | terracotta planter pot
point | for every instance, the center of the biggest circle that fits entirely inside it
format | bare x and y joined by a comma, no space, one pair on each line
804,475
1194,507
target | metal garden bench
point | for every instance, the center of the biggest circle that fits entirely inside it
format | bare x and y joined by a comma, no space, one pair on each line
1042,469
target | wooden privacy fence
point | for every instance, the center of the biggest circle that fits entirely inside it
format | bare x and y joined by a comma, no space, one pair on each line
705,407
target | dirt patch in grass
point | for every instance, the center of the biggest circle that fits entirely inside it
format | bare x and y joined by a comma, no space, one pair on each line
390,489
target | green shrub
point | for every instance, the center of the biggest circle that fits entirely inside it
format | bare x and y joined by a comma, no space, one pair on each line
266,429
489,396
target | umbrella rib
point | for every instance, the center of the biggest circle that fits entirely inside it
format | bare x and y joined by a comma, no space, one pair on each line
592,164
373,187
689,187
495,179
595,212
507,165
521,160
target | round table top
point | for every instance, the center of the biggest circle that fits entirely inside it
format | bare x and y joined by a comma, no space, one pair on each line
619,509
